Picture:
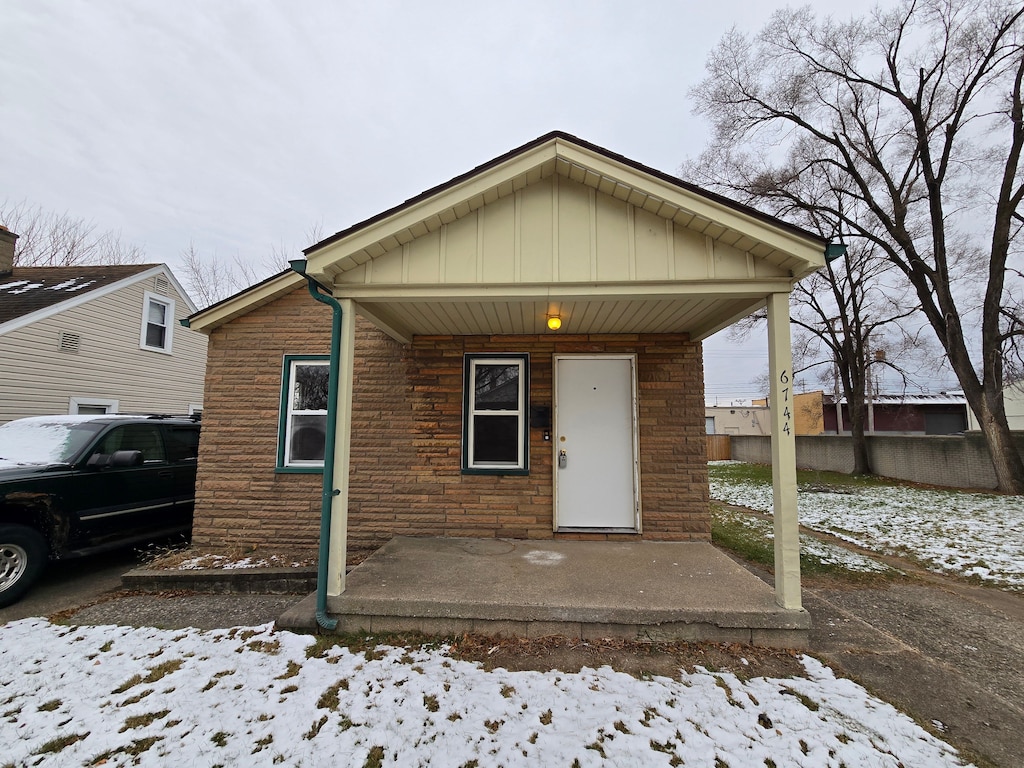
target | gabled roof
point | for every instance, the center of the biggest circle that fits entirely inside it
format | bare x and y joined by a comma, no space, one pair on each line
558,225
566,138
31,293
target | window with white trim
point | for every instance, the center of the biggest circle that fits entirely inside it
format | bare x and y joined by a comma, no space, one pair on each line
157,323
91,405
495,433
304,395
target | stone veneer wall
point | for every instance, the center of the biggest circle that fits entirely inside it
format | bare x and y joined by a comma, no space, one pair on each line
406,438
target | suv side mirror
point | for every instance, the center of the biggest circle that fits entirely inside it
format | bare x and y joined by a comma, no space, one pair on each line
126,459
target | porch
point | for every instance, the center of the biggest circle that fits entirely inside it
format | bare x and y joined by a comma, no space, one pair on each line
637,590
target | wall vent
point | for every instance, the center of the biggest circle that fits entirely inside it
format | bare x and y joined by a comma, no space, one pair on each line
69,342
161,285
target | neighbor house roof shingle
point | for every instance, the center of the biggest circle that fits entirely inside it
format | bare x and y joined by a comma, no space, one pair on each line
30,289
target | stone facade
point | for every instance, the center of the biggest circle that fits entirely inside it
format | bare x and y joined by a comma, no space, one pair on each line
406,476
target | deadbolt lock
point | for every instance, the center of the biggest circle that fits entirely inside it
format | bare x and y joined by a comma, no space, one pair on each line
562,459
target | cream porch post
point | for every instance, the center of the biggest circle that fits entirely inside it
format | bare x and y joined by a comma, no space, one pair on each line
342,437
787,533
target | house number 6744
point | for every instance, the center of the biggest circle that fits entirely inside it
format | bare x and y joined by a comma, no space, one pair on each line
787,416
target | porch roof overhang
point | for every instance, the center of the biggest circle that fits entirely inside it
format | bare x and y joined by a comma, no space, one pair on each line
556,227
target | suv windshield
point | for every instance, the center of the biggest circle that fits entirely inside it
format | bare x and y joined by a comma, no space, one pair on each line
45,440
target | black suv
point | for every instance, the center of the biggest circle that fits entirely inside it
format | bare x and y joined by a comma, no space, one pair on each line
76,485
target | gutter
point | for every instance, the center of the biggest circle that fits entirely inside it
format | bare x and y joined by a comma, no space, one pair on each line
321,294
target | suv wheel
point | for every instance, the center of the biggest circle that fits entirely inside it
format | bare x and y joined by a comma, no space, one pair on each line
22,556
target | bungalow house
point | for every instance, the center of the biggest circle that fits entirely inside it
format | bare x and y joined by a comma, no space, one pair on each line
520,358
95,339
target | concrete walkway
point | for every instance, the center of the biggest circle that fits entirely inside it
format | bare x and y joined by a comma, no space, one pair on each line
630,590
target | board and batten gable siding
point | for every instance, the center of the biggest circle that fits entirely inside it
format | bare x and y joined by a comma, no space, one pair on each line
39,378
556,230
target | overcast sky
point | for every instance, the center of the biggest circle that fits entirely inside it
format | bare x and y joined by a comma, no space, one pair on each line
245,126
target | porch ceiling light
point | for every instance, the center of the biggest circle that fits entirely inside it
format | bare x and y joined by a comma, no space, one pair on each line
554,322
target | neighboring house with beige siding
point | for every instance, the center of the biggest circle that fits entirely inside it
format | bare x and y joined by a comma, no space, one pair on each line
526,364
95,339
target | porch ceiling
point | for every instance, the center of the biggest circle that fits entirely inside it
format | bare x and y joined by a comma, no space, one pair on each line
698,314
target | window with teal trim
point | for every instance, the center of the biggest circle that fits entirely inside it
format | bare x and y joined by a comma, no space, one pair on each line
303,432
495,403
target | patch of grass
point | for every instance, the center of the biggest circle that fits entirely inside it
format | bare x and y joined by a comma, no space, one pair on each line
135,699
361,642
293,670
375,759
141,721
807,701
315,728
805,478
220,738
153,674
61,743
49,706
545,718
728,692
136,748
430,702
216,678
329,698
263,646
669,749
730,531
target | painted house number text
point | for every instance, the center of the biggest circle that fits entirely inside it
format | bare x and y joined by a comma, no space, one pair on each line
787,416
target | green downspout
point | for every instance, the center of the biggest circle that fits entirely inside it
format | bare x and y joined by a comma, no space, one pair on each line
329,491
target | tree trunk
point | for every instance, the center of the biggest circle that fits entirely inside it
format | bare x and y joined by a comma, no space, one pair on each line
861,461
1006,459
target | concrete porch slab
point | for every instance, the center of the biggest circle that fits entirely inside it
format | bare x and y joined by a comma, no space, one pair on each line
631,590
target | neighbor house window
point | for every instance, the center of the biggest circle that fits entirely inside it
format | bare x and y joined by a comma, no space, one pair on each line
495,404
91,405
157,323
303,433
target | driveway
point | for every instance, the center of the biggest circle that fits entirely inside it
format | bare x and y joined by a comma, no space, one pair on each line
945,652
66,584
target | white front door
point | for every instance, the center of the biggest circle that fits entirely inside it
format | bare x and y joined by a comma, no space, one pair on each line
595,467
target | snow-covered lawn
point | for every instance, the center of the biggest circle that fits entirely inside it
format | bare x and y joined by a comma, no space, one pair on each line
825,552
113,696
970,534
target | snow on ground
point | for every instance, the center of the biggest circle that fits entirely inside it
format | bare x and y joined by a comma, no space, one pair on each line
969,534
825,552
229,563
124,696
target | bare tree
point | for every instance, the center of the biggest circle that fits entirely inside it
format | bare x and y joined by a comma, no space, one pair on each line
48,239
210,279
914,119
